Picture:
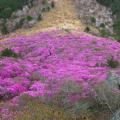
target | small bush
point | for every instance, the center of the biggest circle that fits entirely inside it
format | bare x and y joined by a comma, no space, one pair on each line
104,33
8,53
116,37
52,4
112,63
87,29
102,25
48,8
29,18
39,17
93,20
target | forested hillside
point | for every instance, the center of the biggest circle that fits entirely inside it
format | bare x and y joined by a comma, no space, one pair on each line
8,6
16,14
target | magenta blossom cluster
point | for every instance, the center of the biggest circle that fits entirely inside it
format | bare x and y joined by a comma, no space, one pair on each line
48,59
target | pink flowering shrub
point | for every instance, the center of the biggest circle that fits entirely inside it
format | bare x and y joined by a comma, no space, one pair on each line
49,58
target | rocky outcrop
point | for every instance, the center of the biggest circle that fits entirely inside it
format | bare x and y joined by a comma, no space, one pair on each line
91,12
28,15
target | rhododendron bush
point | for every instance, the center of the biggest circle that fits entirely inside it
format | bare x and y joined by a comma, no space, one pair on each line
49,59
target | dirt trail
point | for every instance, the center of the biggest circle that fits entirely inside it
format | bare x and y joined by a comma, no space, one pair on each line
63,16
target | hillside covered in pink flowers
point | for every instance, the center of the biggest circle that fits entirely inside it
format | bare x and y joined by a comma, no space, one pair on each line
65,67
42,63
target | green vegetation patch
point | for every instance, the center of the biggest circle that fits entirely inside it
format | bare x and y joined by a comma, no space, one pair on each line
113,63
7,7
29,18
8,53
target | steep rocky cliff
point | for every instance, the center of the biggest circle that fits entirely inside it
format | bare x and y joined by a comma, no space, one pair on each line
91,12
27,16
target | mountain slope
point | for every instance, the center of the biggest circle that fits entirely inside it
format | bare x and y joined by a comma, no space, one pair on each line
62,16
46,62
